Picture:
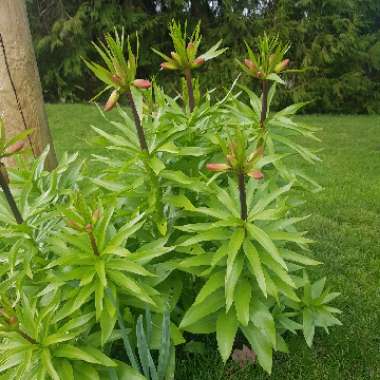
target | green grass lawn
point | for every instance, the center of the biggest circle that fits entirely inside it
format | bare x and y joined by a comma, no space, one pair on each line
345,223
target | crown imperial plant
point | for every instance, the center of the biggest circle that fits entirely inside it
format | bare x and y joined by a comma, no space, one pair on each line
188,226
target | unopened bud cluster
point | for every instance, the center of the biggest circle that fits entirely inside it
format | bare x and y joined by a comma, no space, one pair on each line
239,164
183,62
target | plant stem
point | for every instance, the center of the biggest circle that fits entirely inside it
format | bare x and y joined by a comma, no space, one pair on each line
264,103
25,336
243,196
190,90
144,147
14,326
139,128
9,197
93,242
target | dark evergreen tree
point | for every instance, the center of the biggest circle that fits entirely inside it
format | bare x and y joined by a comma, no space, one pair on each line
340,37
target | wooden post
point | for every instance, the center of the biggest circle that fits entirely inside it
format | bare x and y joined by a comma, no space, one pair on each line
21,101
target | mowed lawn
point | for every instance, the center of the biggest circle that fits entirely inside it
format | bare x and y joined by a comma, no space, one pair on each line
345,224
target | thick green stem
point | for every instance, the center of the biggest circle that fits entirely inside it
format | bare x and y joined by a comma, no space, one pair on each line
190,90
243,196
9,197
139,127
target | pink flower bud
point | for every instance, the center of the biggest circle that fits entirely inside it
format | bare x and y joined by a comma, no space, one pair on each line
250,65
15,147
142,83
13,320
88,228
218,167
168,66
190,46
116,79
198,61
256,174
73,224
112,100
281,66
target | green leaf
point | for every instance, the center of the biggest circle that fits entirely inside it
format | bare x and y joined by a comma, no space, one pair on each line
226,200
276,268
281,345
255,264
234,245
264,240
215,234
84,371
213,52
130,286
262,318
128,265
242,301
297,258
126,372
87,354
201,310
127,230
261,346
47,362
221,252
232,280
165,347
144,352
77,322
65,370
266,200
317,288
100,270
308,326
226,328
276,78
107,325
215,282
156,164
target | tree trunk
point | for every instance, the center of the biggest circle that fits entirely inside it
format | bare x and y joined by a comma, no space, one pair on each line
21,101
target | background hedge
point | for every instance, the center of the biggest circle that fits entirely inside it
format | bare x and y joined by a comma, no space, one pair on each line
337,40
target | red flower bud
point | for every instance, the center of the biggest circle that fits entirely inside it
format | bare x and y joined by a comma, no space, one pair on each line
256,174
116,79
281,66
88,228
73,224
15,147
198,61
112,100
13,320
142,83
250,65
168,66
218,167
